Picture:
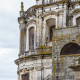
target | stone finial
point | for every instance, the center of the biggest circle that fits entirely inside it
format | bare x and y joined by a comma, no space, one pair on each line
22,6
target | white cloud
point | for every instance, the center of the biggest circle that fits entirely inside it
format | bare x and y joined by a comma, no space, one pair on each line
7,68
9,36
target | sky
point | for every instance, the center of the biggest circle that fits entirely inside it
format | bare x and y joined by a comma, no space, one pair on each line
9,36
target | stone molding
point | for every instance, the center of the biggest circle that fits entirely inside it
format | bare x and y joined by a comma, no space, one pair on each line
30,22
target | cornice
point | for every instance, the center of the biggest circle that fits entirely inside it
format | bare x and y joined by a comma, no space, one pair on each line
21,18
32,57
29,12
75,67
50,13
75,11
31,22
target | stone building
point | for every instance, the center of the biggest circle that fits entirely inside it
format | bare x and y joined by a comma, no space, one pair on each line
49,41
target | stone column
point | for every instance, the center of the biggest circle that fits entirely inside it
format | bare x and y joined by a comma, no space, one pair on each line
22,27
22,38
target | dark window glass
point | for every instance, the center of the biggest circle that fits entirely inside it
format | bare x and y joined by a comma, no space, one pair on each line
25,77
31,38
78,21
51,32
70,48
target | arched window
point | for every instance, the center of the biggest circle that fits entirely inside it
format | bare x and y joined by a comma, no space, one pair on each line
70,48
51,32
50,25
78,21
31,38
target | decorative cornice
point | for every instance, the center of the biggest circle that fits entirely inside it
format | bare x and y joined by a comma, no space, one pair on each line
71,55
50,13
32,57
46,5
28,12
75,12
75,68
29,68
31,22
21,19
38,68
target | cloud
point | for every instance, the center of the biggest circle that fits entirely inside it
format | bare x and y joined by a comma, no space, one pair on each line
9,36
7,68
9,12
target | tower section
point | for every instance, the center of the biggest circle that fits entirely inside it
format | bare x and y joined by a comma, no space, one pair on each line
66,43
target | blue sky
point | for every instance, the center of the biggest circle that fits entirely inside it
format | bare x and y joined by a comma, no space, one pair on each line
9,36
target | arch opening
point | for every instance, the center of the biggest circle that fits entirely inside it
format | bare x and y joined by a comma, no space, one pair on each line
70,48
50,25
31,38
78,20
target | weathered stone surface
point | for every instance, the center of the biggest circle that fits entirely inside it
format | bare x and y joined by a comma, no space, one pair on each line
45,61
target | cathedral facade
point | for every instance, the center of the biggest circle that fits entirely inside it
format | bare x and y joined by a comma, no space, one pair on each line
49,41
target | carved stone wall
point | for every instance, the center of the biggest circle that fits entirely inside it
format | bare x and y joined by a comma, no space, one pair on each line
61,63
37,69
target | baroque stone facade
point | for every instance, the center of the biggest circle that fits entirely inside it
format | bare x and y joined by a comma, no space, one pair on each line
66,53
50,41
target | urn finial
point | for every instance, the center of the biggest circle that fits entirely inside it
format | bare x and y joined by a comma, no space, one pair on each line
22,6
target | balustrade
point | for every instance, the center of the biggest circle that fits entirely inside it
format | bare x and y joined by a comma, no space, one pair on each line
53,1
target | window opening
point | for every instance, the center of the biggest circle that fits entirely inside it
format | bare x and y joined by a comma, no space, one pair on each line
25,77
31,38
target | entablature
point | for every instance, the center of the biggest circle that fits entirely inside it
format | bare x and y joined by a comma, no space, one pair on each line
31,22
32,57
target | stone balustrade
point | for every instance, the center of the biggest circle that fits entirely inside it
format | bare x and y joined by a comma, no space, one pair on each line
54,1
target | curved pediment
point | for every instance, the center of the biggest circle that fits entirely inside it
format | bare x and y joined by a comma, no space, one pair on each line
30,22
75,11
50,13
